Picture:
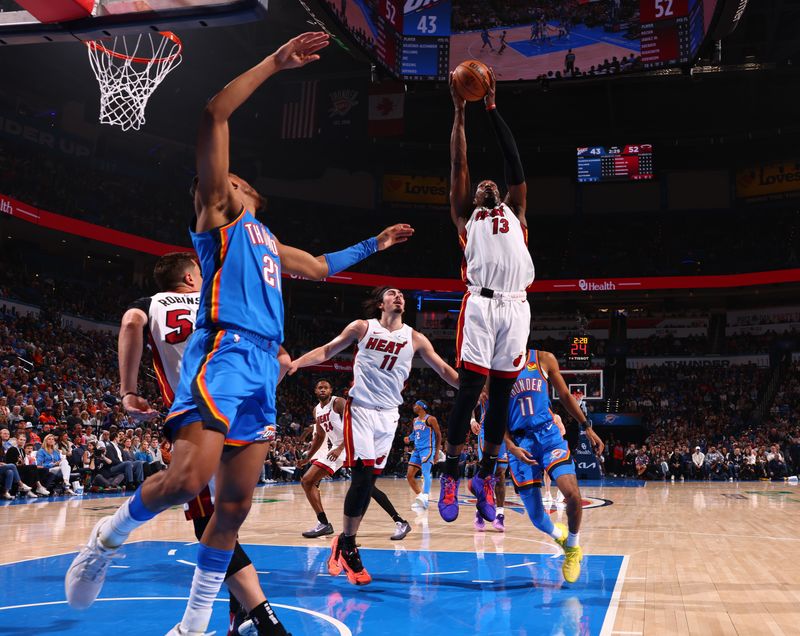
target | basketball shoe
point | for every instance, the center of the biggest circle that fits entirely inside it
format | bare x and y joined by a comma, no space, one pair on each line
177,631
479,524
401,530
571,568
448,498
562,542
483,489
87,572
349,560
319,530
499,523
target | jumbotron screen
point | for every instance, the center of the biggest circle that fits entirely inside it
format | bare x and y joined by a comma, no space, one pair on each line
424,39
633,162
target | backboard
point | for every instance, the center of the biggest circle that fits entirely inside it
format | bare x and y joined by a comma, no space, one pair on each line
119,17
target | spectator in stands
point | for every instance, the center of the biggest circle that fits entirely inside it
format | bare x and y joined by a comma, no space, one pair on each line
5,437
699,468
641,462
776,465
10,479
676,464
31,475
734,460
48,457
133,471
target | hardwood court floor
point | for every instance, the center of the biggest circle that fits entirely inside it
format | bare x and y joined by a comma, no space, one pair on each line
706,559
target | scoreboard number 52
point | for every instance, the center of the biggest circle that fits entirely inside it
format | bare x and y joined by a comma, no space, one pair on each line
664,8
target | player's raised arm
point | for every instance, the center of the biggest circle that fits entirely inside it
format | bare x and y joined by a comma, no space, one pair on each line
517,195
214,199
301,263
460,200
130,345
550,365
424,348
352,333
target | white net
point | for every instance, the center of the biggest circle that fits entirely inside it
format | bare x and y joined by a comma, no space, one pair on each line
128,71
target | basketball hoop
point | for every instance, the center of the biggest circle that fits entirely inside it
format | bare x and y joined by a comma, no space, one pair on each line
128,71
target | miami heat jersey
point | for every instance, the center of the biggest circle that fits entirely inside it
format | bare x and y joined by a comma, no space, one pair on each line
496,255
529,407
331,422
170,321
241,278
381,366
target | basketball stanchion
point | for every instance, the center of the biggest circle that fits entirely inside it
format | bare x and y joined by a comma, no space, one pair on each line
128,71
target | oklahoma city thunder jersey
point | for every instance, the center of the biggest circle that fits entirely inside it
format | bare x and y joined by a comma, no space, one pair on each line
381,366
496,255
423,436
529,408
241,278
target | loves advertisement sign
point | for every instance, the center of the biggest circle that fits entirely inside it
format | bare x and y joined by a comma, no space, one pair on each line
404,188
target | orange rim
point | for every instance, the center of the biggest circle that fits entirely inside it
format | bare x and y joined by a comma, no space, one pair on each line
97,45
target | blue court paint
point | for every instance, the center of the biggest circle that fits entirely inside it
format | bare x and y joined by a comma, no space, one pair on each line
578,37
412,592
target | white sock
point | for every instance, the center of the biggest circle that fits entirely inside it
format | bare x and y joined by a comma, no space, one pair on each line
423,496
119,528
573,539
205,588
556,533
501,510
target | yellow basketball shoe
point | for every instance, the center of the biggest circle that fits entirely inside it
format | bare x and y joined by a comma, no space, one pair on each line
562,542
571,568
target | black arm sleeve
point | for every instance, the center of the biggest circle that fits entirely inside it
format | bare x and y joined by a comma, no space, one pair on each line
511,161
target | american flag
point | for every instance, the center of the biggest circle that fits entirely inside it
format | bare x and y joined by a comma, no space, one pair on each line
299,119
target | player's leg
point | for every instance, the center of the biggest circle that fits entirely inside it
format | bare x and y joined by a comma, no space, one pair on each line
500,495
548,499
470,385
427,468
559,464
402,527
411,474
237,477
359,434
194,459
310,483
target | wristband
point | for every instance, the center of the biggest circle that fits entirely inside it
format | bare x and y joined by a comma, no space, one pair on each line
131,393
341,260
491,107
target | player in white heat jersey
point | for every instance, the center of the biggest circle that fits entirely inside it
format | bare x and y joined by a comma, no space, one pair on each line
385,347
493,327
164,322
326,454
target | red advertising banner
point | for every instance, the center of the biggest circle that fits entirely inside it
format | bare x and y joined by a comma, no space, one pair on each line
50,220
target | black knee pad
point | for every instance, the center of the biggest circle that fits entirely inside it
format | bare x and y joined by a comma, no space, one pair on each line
497,417
357,498
469,390
239,561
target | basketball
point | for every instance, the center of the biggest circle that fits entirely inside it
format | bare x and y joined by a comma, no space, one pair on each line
471,80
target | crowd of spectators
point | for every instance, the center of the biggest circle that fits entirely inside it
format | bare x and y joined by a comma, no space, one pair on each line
699,426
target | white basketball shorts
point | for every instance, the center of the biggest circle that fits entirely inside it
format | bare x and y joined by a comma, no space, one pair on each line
492,333
368,434
321,459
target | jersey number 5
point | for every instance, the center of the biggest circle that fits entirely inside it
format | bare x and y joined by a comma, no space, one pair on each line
176,319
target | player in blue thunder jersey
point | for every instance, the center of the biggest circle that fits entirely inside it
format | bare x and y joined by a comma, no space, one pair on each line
427,439
536,444
225,401
477,426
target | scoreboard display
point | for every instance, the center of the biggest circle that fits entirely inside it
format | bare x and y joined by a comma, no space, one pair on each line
671,31
615,163
579,351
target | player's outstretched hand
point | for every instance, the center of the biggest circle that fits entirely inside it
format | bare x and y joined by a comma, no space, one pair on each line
394,234
301,50
491,94
459,101
138,408
596,442
522,455
475,426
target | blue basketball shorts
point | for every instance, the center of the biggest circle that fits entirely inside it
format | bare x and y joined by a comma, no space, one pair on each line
228,381
422,456
552,456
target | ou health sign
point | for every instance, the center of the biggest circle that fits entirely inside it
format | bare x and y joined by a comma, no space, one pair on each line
426,17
